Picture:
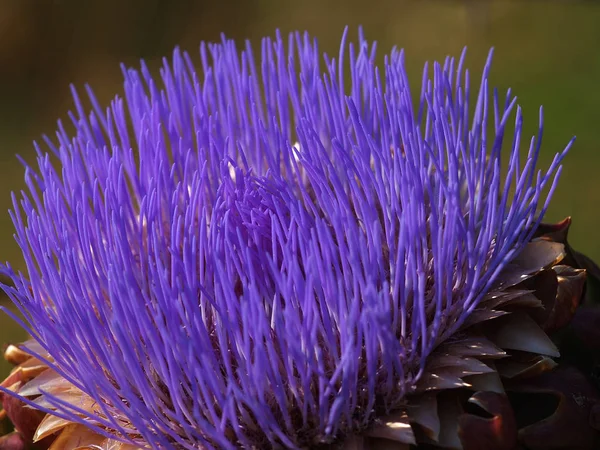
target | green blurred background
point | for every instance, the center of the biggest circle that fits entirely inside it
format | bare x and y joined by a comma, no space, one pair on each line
546,50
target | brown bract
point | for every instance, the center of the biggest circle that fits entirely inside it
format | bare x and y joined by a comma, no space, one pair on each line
570,420
496,432
35,430
26,420
14,441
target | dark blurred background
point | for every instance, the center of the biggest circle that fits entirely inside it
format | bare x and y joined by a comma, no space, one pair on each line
548,51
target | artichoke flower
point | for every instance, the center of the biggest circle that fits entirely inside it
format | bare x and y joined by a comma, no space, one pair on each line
275,252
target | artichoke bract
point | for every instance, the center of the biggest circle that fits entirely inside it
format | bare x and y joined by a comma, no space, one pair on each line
279,252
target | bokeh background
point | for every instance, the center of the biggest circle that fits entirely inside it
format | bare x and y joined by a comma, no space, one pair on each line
547,51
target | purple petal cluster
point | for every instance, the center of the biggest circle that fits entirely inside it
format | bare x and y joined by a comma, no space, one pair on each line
265,252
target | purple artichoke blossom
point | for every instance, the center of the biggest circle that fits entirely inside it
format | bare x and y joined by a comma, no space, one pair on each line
270,252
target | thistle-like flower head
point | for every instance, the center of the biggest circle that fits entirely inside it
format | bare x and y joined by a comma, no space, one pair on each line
266,251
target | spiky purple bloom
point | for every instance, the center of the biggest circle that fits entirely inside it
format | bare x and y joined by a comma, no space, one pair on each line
262,253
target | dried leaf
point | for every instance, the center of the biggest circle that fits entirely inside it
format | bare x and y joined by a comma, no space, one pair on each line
528,300
72,396
440,381
569,425
536,256
555,232
545,287
47,381
525,367
16,378
487,381
460,366
15,355
558,232
50,425
482,433
425,414
478,347
13,441
25,419
568,296
518,331
495,299
449,410
482,315
394,427
32,368
35,347
77,436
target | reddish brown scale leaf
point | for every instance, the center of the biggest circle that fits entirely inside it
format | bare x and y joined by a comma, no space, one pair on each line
514,368
394,427
559,233
569,426
25,420
468,366
571,283
482,315
556,232
16,377
496,299
560,290
31,368
498,432
525,365
15,355
518,331
440,381
528,300
536,256
487,381
425,414
13,441
442,359
539,254
476,346
544,286
79,437
449,410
